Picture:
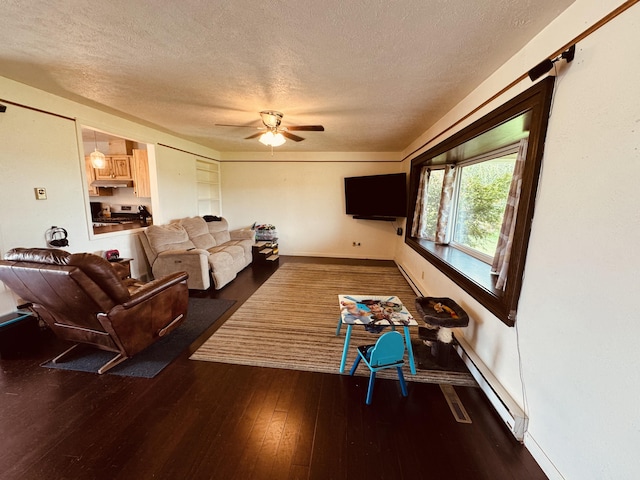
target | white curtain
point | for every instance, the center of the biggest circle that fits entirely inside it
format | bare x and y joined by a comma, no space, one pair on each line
419,225
505,241
444,212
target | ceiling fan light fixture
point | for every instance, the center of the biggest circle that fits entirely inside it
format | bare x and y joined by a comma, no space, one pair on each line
274,134
271,139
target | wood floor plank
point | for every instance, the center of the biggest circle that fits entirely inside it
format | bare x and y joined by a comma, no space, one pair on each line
191,433
309,387
241,445
267,454
283,460
328,459
262,408
222,453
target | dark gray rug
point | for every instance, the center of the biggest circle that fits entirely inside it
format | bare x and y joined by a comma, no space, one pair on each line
202,313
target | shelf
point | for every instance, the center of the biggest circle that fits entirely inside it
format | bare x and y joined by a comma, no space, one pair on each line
265,251
380,219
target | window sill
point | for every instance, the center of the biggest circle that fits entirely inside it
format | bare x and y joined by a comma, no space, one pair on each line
473,275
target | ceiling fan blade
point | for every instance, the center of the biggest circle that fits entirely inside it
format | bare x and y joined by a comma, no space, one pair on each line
238,126
253,136
308,128
291,136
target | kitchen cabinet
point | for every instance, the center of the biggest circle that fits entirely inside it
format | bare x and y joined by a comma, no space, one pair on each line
90,172
118,167
121,167
140,173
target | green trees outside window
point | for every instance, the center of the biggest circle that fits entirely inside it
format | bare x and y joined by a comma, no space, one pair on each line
482,196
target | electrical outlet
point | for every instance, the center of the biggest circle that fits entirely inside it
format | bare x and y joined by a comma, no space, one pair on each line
356,244
41,193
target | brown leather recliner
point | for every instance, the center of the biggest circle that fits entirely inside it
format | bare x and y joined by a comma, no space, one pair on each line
82,298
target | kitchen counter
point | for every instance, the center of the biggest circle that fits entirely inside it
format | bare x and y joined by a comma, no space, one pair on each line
118,227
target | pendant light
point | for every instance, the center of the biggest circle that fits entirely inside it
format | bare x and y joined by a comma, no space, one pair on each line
97,158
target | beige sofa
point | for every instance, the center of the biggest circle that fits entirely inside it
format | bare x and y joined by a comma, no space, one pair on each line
206,250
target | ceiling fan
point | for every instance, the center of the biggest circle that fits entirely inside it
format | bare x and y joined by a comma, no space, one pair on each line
272,132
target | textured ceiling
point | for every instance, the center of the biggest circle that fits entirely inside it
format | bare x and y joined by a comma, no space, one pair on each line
375,73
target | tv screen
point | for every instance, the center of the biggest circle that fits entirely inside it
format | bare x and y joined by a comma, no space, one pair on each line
376,195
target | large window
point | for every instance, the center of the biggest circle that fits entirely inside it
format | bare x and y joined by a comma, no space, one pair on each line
481,194
473,197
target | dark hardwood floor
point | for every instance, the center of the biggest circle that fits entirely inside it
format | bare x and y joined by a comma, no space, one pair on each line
200,420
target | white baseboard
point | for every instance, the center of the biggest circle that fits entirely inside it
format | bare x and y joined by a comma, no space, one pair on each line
541,458
349,256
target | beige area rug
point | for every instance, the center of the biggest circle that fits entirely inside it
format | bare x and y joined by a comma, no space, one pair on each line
290,322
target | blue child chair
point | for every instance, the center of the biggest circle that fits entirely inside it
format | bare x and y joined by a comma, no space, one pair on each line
387,352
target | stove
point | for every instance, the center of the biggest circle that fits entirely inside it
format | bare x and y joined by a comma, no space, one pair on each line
120,214
117,219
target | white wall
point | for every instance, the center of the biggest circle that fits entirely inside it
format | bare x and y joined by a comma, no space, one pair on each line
305,201
178,195
51,162
577,322
41,150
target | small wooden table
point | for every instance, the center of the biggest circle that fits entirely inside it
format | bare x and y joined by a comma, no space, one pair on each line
374,312
126,266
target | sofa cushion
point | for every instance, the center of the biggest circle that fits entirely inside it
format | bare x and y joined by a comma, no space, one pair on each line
219,230
222,237
235,251
246,245
171,236
221,260
198,232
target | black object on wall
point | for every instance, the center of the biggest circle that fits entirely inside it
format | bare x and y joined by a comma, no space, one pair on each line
376,197
57,237
546,65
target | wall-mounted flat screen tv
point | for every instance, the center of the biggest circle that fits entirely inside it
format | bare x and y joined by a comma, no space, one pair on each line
376,195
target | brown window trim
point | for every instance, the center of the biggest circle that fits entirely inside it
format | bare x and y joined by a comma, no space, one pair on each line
458,266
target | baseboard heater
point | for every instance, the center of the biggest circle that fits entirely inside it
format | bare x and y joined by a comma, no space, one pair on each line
509,411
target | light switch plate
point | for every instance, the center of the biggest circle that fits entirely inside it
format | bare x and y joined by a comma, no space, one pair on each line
41,193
